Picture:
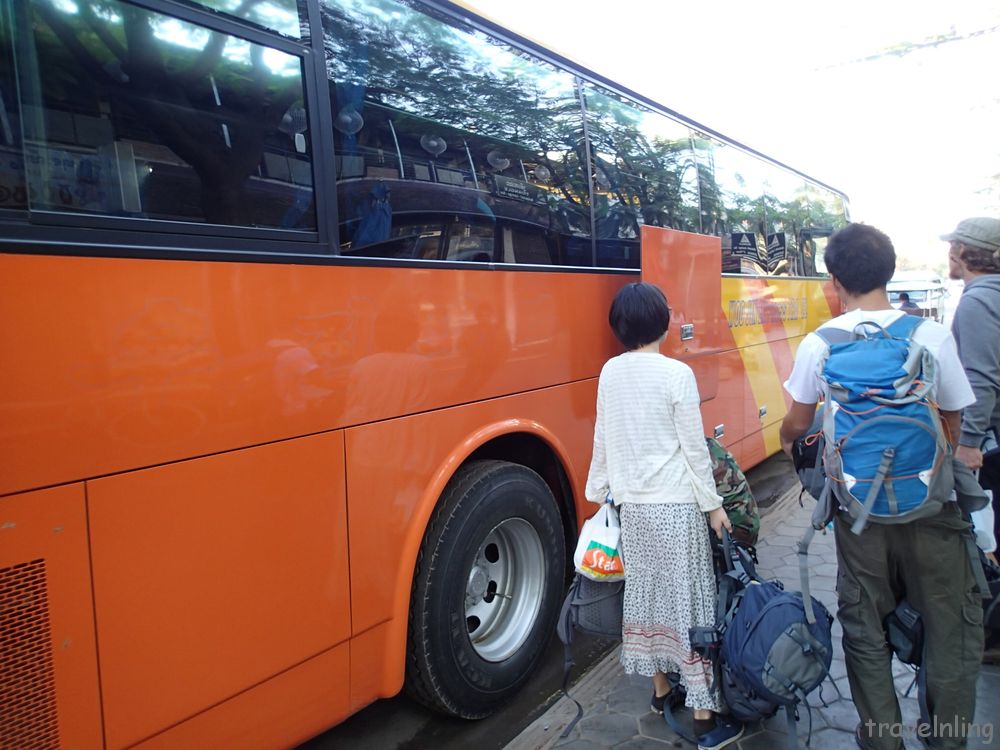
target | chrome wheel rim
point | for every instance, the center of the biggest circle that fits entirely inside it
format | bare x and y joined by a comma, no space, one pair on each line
504,588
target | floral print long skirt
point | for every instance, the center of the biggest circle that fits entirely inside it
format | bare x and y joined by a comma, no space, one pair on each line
669,588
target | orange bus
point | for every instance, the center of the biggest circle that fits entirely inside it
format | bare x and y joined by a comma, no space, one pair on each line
302,309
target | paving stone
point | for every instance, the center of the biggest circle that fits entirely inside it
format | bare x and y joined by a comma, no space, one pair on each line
787,561
648,743
909,709
777,724
764,740
791,561
631,699
655,726
840,714
751,728
638,679
903,682
830,739
899,668
608,729
822,583
572,743
781,539
988,701
844,685
785,573
838,668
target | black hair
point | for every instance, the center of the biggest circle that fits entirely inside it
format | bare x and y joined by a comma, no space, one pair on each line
639,314
861,258
904,297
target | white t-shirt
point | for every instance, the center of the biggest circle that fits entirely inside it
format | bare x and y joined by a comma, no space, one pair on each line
649,443
953,389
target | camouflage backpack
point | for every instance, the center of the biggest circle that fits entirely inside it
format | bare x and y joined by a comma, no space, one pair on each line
737,498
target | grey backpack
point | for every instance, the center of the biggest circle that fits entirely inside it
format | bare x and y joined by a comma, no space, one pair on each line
594,608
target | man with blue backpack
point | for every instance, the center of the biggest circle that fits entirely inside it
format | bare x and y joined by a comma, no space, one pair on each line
893,389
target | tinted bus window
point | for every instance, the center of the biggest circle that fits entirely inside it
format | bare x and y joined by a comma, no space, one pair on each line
284,16
784,196
435,118
712,212
741,177
644,173
13,190
132,113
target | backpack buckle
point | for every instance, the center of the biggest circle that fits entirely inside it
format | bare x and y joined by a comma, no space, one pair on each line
706,642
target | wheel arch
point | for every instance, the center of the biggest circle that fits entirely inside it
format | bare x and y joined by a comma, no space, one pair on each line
527,443
533,451
517,443
524,442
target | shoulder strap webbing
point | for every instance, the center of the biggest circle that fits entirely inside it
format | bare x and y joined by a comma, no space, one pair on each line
904,326
822,515
885,464
803,552
567,668
793,732
564,630
834,335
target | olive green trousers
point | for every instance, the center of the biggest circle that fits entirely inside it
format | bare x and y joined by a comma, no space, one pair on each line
927,563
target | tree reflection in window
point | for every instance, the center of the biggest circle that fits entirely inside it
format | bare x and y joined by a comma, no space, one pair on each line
644,167
454,121
284,16
134,113
787,215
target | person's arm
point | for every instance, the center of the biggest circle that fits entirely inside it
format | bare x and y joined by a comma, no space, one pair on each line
803,386
795,424
979,331
691,436
598,484
960,404
952,425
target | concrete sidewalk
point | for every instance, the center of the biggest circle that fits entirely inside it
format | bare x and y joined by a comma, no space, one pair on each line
616,706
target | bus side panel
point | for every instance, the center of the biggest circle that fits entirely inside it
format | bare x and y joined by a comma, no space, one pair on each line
369,681
215,574
119,363
767,319
396,471
731,408
47,622
280,712
762,367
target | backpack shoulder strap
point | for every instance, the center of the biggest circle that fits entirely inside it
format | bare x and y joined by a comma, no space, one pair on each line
834,335
904,326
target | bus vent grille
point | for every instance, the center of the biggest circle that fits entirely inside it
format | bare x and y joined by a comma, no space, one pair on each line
28,718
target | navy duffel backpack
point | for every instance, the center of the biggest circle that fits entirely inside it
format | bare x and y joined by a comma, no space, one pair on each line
773,653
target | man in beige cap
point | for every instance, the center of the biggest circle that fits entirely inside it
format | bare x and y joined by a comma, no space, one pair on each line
974,257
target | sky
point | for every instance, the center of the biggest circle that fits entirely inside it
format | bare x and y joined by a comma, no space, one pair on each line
913,139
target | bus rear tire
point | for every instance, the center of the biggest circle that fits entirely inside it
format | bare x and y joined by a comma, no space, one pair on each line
487,589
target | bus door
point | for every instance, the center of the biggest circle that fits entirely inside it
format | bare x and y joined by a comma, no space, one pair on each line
688,268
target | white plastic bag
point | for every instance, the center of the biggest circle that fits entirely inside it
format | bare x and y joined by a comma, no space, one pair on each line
598,555
982,524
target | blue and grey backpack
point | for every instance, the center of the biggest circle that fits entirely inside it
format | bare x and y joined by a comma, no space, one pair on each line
886,457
